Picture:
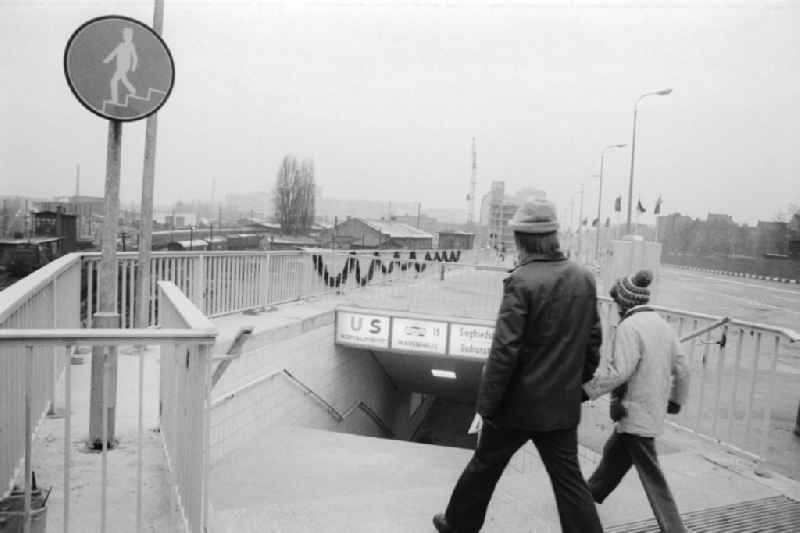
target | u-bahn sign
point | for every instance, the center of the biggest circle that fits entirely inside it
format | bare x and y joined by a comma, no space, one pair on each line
119,68
407,333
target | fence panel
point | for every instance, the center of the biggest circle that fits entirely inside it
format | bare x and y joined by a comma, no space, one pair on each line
738,388
185,393
48,298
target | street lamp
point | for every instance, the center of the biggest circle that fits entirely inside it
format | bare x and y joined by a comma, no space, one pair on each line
662,92
600,196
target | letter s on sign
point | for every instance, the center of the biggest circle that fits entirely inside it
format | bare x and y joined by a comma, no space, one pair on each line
375,325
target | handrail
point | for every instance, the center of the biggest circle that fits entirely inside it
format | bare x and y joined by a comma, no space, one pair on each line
104,337
791,335
189,313
333,411
302,252
12,297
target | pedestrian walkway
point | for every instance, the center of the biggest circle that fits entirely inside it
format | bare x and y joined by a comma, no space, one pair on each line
159,506
297,480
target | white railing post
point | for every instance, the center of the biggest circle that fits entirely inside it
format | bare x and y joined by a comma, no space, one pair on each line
51,410
67,430
28,436
198,282
205,358
768,408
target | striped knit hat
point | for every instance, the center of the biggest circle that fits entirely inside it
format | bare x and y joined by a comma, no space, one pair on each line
631,291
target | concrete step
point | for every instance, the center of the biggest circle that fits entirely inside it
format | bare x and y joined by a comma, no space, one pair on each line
293,479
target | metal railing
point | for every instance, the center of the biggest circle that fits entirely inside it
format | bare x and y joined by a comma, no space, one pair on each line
221,283
185,405
185,342
735,375
236,416
47,298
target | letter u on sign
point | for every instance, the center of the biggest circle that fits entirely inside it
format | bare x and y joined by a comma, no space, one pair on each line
356,322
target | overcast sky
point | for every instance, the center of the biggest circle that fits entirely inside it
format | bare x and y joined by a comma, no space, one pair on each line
386,99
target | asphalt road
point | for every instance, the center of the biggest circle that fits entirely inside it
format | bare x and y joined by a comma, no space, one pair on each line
763,302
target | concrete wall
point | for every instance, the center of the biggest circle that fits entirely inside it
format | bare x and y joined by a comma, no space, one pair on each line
341,377
627,257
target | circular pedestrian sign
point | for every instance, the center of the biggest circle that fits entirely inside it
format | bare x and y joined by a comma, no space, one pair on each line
119,68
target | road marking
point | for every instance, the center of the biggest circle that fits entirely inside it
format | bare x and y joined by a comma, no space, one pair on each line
742,283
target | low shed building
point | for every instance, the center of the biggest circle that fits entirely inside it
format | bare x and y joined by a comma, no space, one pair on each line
368,233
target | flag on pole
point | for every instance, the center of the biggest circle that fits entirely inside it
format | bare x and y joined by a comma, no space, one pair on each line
595,222
618,204
640,207
657,208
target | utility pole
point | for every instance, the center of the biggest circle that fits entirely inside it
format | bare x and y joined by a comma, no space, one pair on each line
77,179
419,212
580,224
146,215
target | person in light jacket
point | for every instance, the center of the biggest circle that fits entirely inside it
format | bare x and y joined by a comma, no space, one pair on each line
648,376
545,346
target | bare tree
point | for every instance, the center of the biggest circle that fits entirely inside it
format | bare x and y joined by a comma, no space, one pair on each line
294,195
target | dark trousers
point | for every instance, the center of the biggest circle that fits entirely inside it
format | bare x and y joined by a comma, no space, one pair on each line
621,452
466,511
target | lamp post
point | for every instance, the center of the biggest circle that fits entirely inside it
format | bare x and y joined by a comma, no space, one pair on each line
600,197
662,92
580,225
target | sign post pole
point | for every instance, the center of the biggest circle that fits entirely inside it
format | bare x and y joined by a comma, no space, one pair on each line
148,178
104,376
121,70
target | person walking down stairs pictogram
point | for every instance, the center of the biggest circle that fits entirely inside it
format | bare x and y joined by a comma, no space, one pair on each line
127,60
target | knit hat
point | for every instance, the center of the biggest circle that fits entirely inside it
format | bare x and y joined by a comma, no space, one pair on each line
631,291
536,215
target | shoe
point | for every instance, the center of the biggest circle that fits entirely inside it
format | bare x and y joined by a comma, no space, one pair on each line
441,525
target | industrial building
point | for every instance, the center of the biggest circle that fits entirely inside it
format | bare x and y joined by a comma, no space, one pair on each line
368,233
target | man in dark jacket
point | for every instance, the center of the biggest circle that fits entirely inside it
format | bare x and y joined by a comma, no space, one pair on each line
546,345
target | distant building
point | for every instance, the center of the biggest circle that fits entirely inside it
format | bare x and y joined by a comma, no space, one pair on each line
368,233
794,236
772,238
456,240
423,222
22,256
496,211
174,219
57,224
90,211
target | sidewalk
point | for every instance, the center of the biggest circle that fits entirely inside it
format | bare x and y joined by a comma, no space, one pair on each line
159,509
294,480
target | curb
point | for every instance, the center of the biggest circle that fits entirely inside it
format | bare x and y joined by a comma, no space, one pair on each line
736,274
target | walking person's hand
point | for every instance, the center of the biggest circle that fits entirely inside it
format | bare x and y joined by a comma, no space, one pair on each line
616,410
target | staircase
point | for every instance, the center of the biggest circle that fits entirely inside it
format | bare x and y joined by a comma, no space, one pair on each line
134,106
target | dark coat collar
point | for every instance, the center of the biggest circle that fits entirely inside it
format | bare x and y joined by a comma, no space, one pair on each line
636,309
558,256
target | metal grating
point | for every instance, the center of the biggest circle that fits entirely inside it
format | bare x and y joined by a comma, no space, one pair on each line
770,515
